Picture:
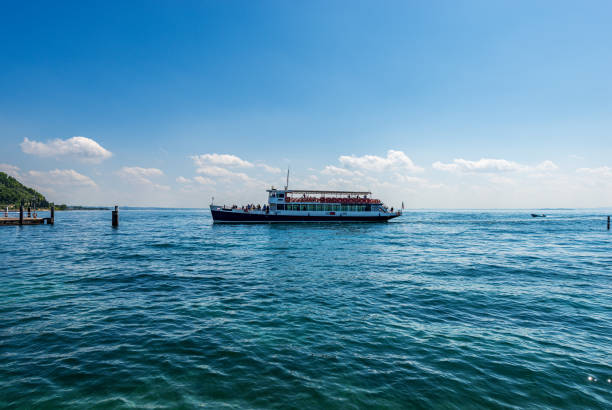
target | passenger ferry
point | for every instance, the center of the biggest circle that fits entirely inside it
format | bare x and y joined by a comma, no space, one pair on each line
293,205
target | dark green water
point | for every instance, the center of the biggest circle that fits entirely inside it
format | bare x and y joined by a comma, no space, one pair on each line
432,310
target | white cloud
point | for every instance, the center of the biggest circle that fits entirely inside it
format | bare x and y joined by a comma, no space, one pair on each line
604,171
214,165
440,166
151,172
491,166
229,177
219,165
183,180
226,160
141,172
64,177
220,172
83,148
142,176
394,160
498,179
485,165
409,179
11,170
334,170
392,173
204,181
270,169
546,166
344,183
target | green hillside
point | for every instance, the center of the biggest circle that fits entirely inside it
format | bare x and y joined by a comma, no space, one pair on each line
13,193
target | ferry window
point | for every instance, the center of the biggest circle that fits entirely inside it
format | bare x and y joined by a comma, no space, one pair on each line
281,195
280,207
304,208
337,208
328,207
368,207
344,208
319,207
272,195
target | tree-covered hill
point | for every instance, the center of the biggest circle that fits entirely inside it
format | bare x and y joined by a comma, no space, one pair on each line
13,193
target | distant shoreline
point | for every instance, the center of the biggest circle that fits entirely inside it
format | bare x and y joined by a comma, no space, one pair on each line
63,208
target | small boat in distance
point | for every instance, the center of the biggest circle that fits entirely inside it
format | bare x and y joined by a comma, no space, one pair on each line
538,215
296,205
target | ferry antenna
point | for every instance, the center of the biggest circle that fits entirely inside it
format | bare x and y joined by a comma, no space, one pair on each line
287,185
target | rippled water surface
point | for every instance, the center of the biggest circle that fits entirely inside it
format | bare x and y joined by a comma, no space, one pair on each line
433,309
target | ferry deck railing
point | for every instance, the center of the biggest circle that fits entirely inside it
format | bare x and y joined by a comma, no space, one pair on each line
324,200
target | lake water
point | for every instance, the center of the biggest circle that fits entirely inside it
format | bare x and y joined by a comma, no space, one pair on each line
463,309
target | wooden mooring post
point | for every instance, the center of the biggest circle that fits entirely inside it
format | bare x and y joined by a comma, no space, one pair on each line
51,219
20,214
608,222
116,217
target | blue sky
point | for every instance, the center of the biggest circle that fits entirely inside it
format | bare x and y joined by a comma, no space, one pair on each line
491,104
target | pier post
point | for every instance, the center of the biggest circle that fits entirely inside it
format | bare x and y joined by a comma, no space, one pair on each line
29,212
608,222
52,215
116,217
20,214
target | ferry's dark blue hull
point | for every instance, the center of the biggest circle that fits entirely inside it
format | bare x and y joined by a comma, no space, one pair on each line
240,217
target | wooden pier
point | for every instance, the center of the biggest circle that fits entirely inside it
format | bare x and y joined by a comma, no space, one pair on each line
29,219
